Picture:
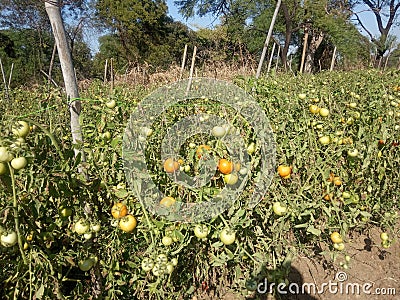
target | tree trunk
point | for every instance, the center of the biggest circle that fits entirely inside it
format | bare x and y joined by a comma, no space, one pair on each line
315,42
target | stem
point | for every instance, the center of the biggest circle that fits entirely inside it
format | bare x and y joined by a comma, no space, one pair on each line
223,220
16,219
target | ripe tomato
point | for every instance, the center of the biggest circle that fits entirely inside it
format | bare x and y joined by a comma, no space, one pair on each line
81,226
201,231
8,239
119,210
227,236
167,201
284,171
336,237
21,129
128,223
171,165
147,264
231,179
337,181
225,166
19,163
202,149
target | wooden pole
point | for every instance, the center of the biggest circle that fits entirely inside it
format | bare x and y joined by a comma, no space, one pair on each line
277,58
271,57
191,70
183,62
105,71
333,59
303,55
278,4
9,78
4,80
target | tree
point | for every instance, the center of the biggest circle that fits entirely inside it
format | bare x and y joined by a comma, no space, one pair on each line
383,10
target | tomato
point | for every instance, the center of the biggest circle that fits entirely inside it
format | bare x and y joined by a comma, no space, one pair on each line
167,241
336,237
192,145
174,262
167,201
119,210
251,148
19,163
324,140
202,149
324,112
65,212
338,246
353,104
81,226
161,259
4,155
346,195
3,168
337,181
147,131
385,244
314,109
352,153
111,104
278,209
107,135
225,166
227,236
218,131
171,165
231,179
158,270
201,231
87,264
147,264
169,268
8,239
284,171
384,236
95,227
302,96
87,235
128,223
21,129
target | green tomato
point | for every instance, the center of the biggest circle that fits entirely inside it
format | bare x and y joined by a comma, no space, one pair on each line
169,268
4,155
95,227
302,96
87,264
111,104
324,140
384,236
147,264
352,152
201,231
161,259
278,209
158,270
227,236
231,179
65,212
167,241
338,246
324,112
3,168
251,148
21,129
81,226
174,261
8,239
19,163
218,131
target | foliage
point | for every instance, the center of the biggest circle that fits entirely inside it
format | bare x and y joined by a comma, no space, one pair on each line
46,263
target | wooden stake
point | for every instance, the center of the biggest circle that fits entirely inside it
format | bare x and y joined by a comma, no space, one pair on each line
271,57
278,4
277,58
183,62
303,55
105,71
112,74
4,80
333,59
9,78
191,70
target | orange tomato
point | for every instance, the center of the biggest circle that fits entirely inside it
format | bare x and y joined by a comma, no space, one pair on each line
171,165
284,171
201,149
225,166
119,210
337,181
167,201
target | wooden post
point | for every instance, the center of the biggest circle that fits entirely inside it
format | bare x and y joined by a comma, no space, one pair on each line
303,55
271,57
278,4
112,74
277,58
183,62
191,70
333,59
380,63
398,64
4,80
105,71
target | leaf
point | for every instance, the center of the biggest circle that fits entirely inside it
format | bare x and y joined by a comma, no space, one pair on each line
39,293
315,231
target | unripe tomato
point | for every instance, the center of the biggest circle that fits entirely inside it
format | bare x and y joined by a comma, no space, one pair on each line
324,140
218,131
81,226
147,264
87,264
314,109
231,179
278,209
167,241
324,112
3,168
19,163
201,231
8,239
352,153
21,129
167,201
111,104
227,236
4,155
384,236
128,223
169,268
302,96
202,149
251,148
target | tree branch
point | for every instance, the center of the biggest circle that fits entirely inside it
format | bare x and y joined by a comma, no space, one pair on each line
376,10
366,30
